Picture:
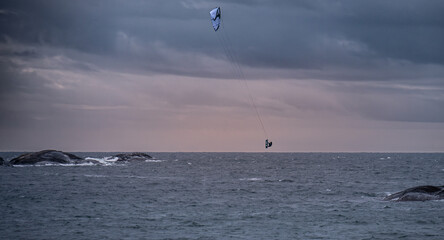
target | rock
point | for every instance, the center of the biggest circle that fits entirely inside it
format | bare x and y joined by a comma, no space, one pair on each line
4,163
46,156
420,193
137,156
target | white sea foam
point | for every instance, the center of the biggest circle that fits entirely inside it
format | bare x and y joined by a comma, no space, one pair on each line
251,179
95,175
114,176
24,165
74,164
104,161
130,176
154,160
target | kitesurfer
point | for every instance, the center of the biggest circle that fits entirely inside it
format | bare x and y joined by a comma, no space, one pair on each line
231,55
267,143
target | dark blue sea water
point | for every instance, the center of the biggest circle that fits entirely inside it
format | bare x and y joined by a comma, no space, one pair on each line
224,196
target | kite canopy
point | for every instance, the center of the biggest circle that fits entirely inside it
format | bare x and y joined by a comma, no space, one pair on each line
215,18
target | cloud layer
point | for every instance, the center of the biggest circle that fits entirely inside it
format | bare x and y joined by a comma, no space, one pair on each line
154,76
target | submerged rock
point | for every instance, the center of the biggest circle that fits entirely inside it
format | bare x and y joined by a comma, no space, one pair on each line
53,156
420,193
137,156
2,162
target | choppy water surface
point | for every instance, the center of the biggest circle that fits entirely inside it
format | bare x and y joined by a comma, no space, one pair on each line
224,196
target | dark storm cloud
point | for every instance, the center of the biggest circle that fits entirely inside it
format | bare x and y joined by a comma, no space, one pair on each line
92,26
408,30
343,33
282,34
332,40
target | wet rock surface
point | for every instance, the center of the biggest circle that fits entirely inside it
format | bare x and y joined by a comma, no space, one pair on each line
51,156
420,193
137,156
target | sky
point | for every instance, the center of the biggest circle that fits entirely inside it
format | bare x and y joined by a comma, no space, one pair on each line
325,75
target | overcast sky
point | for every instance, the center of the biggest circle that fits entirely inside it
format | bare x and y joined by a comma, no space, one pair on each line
93,75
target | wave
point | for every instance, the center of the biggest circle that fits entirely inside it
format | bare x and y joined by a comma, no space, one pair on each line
251,179
104,160
113,176
95,175
154,160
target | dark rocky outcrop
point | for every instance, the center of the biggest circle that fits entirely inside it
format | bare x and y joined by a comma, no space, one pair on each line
420,193
4,163
137,156
52,156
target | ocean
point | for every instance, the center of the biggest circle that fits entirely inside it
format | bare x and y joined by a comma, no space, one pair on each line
223,196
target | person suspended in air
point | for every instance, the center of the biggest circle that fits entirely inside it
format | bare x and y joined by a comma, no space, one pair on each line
267,143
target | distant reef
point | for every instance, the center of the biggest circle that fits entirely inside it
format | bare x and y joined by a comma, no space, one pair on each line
51,156
54,156
137,156
420,193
